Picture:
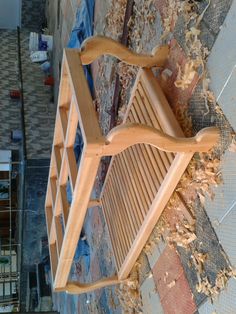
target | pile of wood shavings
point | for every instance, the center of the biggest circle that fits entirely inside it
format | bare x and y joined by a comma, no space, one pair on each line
129,293
144,15
115,18
127,76
204,285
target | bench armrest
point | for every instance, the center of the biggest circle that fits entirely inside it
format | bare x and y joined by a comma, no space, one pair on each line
97,46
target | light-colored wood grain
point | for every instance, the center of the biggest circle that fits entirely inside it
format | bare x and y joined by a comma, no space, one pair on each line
164,193
97,46
141,177
78,288
126,135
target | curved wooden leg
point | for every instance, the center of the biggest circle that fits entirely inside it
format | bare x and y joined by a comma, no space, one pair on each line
97,46
74,287
126,135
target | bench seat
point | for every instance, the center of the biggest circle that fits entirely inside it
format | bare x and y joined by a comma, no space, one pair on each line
150,154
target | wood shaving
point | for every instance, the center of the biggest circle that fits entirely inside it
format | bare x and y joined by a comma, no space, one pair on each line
185,78
213,290
129,294
198,261
182,236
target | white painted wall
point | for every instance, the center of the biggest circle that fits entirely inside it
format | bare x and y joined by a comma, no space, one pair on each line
10,14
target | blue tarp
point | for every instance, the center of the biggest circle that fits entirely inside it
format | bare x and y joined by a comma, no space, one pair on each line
83,29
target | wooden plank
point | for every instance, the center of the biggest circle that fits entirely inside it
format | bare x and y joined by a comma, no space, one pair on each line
72,167
59,234
117,222
65,93
128,181
72,125
64,174
120,215
147,153
126,197
58,131
53,187
94,203
119,186
87,116
52,234
53,259
57,210
170,182
154,153
105,207
64,204
166,116
84,183
57,156
136,184
49,217
148,121
153,116
63,121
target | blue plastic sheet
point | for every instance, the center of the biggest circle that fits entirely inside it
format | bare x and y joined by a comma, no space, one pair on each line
83,29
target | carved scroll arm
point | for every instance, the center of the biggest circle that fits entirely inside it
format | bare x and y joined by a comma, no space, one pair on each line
126,135
97,46
74,287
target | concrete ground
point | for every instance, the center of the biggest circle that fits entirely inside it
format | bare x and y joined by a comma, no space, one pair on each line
168,275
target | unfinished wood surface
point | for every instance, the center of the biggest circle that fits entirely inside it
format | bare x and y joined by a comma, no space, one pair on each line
149,153
64,220
97,46
144,177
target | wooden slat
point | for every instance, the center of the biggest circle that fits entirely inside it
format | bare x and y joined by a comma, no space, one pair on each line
64,174
112,236
87,116
154,154
124,207
57,155
148,121
117,221
63,121
64,204
53,187
129,192
121,215
165,115
57,210
72,167
59,234
65,93
72,124
136,184
153,115
52,234
49,217
171,180
84,183
147,153
53,259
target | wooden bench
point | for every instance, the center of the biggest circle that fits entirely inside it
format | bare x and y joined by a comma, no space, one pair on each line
150,154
